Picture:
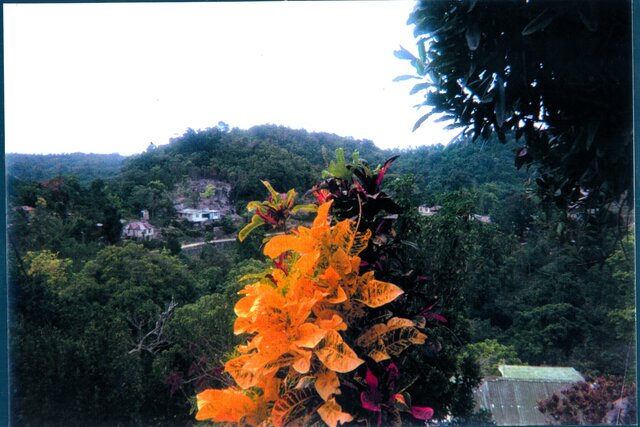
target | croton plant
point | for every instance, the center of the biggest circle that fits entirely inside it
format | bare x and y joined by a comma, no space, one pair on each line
325,340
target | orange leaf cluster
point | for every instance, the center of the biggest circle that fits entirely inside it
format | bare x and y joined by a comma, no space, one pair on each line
289,367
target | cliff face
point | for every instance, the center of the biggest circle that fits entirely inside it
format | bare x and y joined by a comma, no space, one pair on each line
203,194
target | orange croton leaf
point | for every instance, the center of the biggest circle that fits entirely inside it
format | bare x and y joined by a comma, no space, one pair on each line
302,362
307,262
329,319
331,413
330,276
226,405
292,406
287,242
336,354
341,262
383,341
375,293
243,377
322,218
309,335
376,332
327,384
360,242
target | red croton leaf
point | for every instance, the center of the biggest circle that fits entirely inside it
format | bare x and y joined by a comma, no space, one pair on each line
422,412
384,170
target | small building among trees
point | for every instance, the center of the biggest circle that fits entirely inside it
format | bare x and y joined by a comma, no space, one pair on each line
139,230
199,215
513,397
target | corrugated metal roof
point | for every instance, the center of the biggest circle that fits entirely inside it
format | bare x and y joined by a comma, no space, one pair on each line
514,402
540,373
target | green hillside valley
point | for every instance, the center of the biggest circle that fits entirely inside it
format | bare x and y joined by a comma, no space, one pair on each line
125,285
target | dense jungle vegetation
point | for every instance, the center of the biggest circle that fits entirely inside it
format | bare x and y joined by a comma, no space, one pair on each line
112,331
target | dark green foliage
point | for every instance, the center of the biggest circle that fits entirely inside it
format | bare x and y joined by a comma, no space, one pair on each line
85,167
556,74
490,353
81,348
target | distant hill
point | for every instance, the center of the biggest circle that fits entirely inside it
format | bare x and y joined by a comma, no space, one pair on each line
41,167
294,158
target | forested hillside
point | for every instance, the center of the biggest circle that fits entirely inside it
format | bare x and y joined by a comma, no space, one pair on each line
84,167
107,330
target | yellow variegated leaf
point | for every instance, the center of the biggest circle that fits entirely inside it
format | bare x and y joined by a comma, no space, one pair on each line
378,331
274,194
360,242
256,222
341,262
372,335
390,339
305,208
327,384
224,405
398,340
375,293
290,198
280,362
336,296
292,406
336,354
342,234
399,322
331,413
379,353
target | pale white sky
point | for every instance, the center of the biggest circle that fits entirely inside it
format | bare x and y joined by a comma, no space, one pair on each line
107,78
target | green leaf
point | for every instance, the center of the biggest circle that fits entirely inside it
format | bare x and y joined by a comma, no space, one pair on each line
499,106
540,22
421,120
405,77
256,222
422,53
290,198
274,194
473,36
404,54
589,17
419,87
306,208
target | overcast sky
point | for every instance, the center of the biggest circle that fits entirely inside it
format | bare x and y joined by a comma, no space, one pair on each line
108,78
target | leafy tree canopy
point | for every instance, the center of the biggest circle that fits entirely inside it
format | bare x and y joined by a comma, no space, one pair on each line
555,73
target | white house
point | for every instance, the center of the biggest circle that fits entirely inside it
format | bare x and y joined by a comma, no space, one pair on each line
139,230
199,215
428,210
486,219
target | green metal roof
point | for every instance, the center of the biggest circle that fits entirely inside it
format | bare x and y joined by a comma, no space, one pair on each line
540,373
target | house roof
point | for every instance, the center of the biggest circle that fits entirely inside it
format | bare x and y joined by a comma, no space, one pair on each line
540,373
515,402
192,211
139,225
